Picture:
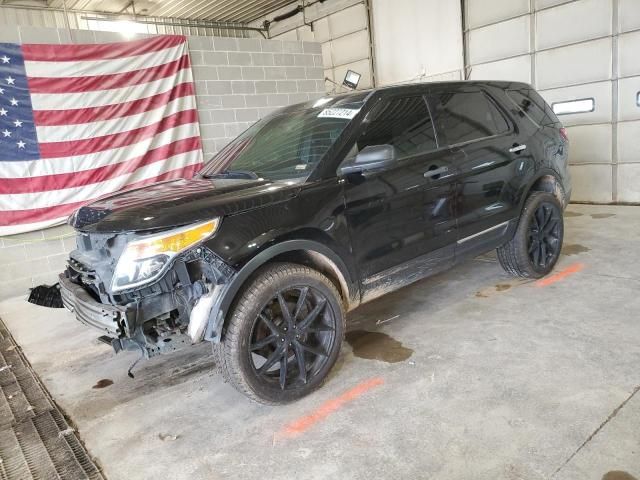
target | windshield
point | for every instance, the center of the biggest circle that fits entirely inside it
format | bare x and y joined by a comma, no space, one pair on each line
287,145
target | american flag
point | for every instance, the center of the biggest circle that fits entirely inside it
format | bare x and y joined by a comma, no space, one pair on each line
80,121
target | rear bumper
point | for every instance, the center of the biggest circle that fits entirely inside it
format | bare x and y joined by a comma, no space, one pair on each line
108,319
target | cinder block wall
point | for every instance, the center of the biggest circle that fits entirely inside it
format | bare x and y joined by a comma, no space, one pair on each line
238,81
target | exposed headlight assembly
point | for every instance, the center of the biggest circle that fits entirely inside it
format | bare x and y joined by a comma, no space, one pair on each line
145,259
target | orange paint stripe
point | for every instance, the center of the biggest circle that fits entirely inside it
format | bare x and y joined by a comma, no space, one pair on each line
570,270
305,423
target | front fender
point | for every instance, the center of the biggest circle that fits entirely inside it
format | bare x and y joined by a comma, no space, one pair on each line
228,292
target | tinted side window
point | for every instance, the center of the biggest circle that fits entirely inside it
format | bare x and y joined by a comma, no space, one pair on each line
464,116
404,123
531,103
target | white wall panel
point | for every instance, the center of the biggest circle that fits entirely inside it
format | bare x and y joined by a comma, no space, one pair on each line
629,15
628,89
517,69
348,20
350,48
416,38
540,4
483,12
362,67
629,142
571,58
454,76
629,53
291,35
629,183
341,27
581,63
327,57
500,40
590,144
592,183
321,30
573,22
600,92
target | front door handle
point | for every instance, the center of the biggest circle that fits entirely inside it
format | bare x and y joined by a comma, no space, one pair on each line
436,172
517,148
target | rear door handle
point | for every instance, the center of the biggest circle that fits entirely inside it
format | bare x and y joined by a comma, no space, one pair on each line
436,172
517,148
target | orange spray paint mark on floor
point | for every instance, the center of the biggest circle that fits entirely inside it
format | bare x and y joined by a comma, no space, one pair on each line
562,274
304,423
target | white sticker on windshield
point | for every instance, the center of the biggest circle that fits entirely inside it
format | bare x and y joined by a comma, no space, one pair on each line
347,113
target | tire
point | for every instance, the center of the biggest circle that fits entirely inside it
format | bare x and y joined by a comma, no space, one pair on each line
533,251
258,316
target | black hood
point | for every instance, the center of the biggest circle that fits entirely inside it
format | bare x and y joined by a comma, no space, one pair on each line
179,202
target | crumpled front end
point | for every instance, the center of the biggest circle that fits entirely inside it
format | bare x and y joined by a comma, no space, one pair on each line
159,317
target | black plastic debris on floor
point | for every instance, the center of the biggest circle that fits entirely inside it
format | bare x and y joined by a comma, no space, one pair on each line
35,440
46,296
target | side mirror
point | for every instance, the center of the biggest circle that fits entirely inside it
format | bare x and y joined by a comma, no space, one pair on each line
373,157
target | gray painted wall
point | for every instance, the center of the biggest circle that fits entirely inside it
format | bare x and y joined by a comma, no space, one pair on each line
238,81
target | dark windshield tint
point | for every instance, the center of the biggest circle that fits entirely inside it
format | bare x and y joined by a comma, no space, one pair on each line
287,145
404,123
464,116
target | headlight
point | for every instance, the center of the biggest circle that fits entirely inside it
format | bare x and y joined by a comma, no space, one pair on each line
144,260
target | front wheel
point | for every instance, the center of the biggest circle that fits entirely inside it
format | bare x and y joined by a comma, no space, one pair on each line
284,334
535,247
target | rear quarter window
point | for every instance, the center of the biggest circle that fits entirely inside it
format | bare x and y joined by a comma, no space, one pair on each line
531,104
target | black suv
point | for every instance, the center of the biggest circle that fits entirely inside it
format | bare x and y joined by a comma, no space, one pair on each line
313,211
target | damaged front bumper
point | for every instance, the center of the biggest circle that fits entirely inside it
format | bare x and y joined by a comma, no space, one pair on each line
110,319
176,311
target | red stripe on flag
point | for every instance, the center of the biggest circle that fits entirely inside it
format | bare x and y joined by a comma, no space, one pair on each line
116,140
107,112
99,51
15,217
87,177
106,82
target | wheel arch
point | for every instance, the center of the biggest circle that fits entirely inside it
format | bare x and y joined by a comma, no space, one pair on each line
547,180
302,251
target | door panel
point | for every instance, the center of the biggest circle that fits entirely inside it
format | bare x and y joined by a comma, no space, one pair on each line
399,215
405,212
488,194
492,156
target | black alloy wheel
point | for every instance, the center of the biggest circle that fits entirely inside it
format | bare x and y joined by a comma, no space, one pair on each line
292,336
535,246
544,236
284,334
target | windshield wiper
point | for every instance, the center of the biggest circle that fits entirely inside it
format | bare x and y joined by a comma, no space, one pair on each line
239,174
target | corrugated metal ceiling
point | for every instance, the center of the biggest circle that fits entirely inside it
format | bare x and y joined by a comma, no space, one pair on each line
237,11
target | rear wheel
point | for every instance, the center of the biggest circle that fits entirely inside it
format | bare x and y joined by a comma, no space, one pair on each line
535,247
284,334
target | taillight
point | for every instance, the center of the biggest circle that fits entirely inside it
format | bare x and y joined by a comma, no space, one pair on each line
563,134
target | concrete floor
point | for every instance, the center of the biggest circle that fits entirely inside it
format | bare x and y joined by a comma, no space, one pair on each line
476,375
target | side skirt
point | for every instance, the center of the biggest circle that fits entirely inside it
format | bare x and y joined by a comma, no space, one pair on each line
486,240
407,273
437,261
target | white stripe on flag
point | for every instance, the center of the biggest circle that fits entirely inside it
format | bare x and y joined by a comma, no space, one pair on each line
30,227
103,67
98,98
55,166
69,133
26,201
